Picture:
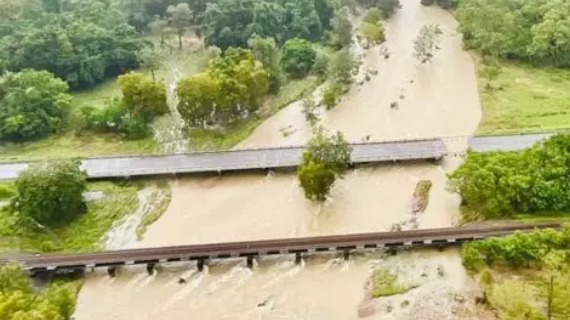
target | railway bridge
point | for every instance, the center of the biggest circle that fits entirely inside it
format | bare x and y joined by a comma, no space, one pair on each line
250,250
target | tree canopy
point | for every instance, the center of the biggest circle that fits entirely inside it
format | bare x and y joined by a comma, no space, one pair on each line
231,88
19,301
33,104
325,159
298,57
81,42
50,193
143,97
535,31
500,184
230,23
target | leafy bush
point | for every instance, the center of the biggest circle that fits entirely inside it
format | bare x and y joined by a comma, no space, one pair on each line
7,191
520,249
21,301
534,31
33,104
51,193
499,184
331,95
298,57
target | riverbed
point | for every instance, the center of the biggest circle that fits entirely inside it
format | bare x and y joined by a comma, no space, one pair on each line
439,99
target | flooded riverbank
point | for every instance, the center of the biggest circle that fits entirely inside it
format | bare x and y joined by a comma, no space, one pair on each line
440,98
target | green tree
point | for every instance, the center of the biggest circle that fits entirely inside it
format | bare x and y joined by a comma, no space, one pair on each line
180,18
310,110
160,26
343,67
331,94
143,97
298,57
33,104
372,15
83,44
265,51
387,7
18,301
426,42
325,159
342,28
373,32
197,97
231,88
152,60
498,184
316,180
51,193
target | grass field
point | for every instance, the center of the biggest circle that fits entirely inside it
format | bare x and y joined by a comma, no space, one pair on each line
227,138
82,234
71,146
525,99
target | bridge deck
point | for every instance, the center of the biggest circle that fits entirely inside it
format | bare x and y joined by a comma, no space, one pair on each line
426,237
271,158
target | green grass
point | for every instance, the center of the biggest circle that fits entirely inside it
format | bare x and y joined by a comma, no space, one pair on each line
563,217
7,190
292,91
70,145
83,234
525,99
227,138
98,95
160,200
385,283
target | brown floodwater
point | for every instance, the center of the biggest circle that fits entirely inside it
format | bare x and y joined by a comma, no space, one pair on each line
439,99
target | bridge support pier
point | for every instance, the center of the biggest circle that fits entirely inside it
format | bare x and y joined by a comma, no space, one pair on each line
250,262
298,258
392,251
150,269
200,264
112,271
346,255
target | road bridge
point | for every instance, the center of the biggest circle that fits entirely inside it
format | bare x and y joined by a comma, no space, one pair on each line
251,249
275,158
240,160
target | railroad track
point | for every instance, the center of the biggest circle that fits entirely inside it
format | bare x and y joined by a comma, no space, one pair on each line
201,253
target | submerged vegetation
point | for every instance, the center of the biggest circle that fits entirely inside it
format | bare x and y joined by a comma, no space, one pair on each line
386,283
325,159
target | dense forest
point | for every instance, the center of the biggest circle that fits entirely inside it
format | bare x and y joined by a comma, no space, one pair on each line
534,31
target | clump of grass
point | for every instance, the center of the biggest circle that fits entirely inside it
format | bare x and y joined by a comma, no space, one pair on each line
385,283
421,196
160,200
7,190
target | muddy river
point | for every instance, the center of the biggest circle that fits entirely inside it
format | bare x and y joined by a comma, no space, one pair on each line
439,99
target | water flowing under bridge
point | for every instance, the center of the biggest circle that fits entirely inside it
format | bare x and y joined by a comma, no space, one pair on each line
201,253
